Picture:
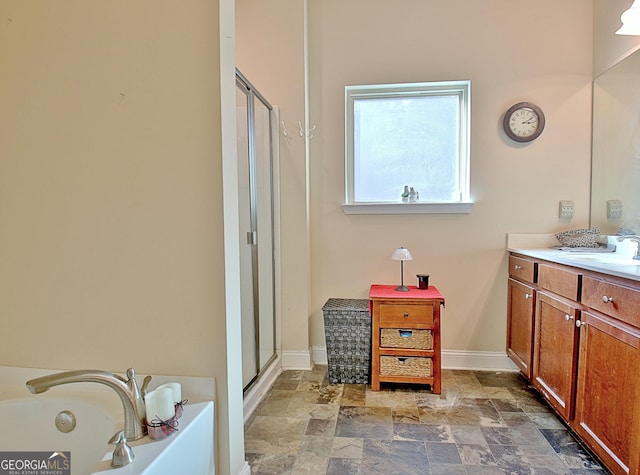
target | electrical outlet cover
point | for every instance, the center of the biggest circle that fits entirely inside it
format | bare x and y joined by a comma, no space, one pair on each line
614,209
566,209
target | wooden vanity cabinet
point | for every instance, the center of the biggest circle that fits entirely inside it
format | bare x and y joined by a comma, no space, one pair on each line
521,307
586,355
521,304
607,413
555,349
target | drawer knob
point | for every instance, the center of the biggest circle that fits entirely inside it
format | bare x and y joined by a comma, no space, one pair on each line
580,324
606,299
406,314
517,267
527,296
568,317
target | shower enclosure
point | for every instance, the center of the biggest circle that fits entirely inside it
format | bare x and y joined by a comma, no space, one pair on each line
256,151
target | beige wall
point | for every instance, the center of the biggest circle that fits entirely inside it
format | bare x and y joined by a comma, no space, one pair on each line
511,53
111,249
517,188
270,53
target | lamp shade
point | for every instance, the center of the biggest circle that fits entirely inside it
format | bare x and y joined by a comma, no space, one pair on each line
630,20
401,254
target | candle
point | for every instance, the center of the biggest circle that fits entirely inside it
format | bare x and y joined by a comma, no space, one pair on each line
176,388
159,405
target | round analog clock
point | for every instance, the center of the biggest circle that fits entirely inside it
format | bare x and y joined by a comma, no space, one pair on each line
523,122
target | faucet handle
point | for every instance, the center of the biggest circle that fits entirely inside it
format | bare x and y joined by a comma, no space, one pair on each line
145,385
122,454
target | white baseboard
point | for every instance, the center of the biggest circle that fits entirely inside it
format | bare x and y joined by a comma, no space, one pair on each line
451,359
297,360
246,469
477,360
319,354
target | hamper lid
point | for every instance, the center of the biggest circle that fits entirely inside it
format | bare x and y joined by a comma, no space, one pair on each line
346,304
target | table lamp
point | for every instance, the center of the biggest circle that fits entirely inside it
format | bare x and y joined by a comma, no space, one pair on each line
401,254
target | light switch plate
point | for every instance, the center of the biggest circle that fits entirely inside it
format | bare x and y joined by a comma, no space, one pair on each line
614,209
565,209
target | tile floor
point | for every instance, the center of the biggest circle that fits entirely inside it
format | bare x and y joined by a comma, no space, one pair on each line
483,423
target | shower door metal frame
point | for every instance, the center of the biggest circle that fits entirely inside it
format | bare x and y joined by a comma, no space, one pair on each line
252,236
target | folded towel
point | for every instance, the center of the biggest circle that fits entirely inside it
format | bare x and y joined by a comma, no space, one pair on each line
579,237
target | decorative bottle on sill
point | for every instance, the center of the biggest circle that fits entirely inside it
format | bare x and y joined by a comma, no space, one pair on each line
413,195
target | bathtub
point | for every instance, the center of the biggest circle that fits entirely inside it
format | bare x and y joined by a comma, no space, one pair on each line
40,423
30,425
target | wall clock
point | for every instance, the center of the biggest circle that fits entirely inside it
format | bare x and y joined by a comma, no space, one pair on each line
523,122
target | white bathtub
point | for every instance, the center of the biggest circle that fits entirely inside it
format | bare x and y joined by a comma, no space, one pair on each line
30,425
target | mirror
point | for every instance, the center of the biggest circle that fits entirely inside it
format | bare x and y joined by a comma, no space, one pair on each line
615,166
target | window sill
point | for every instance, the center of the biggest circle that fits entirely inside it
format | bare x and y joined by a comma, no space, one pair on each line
407,208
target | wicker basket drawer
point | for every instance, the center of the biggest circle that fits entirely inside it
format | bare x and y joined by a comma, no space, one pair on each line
399,338
405,314
413,367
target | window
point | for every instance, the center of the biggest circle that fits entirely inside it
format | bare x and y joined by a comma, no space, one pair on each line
407,135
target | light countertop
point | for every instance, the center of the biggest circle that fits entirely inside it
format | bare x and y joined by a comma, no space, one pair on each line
539,246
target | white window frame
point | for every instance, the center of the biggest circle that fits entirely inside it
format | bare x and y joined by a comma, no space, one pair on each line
462,89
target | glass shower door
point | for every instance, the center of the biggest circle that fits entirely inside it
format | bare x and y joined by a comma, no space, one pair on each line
255,188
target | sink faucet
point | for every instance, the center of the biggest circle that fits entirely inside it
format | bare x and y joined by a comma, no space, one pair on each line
635,239
127,389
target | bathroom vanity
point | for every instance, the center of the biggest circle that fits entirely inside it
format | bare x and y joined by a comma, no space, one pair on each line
573,329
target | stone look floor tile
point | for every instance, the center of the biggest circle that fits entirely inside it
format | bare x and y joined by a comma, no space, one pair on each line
347,448
424,432
483,423
476,454
274,435
387,457
310,464
340,466
316,445
276,465
365,422
440,453
321,427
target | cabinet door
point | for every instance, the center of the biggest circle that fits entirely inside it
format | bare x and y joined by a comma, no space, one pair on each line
607,406
555,351
520,312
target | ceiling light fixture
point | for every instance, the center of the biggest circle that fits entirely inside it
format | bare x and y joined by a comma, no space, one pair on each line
630,20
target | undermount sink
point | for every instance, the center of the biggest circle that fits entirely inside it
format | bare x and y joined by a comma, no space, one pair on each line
608,260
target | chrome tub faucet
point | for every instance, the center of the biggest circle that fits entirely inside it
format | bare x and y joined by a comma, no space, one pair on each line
127,389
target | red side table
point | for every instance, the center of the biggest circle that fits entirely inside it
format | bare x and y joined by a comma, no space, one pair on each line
405,340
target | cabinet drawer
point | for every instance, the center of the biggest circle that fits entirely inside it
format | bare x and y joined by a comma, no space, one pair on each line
523,269
560,280
405,314
399,338
412,367
611,299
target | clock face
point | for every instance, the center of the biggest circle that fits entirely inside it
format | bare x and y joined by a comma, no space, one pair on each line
523,122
